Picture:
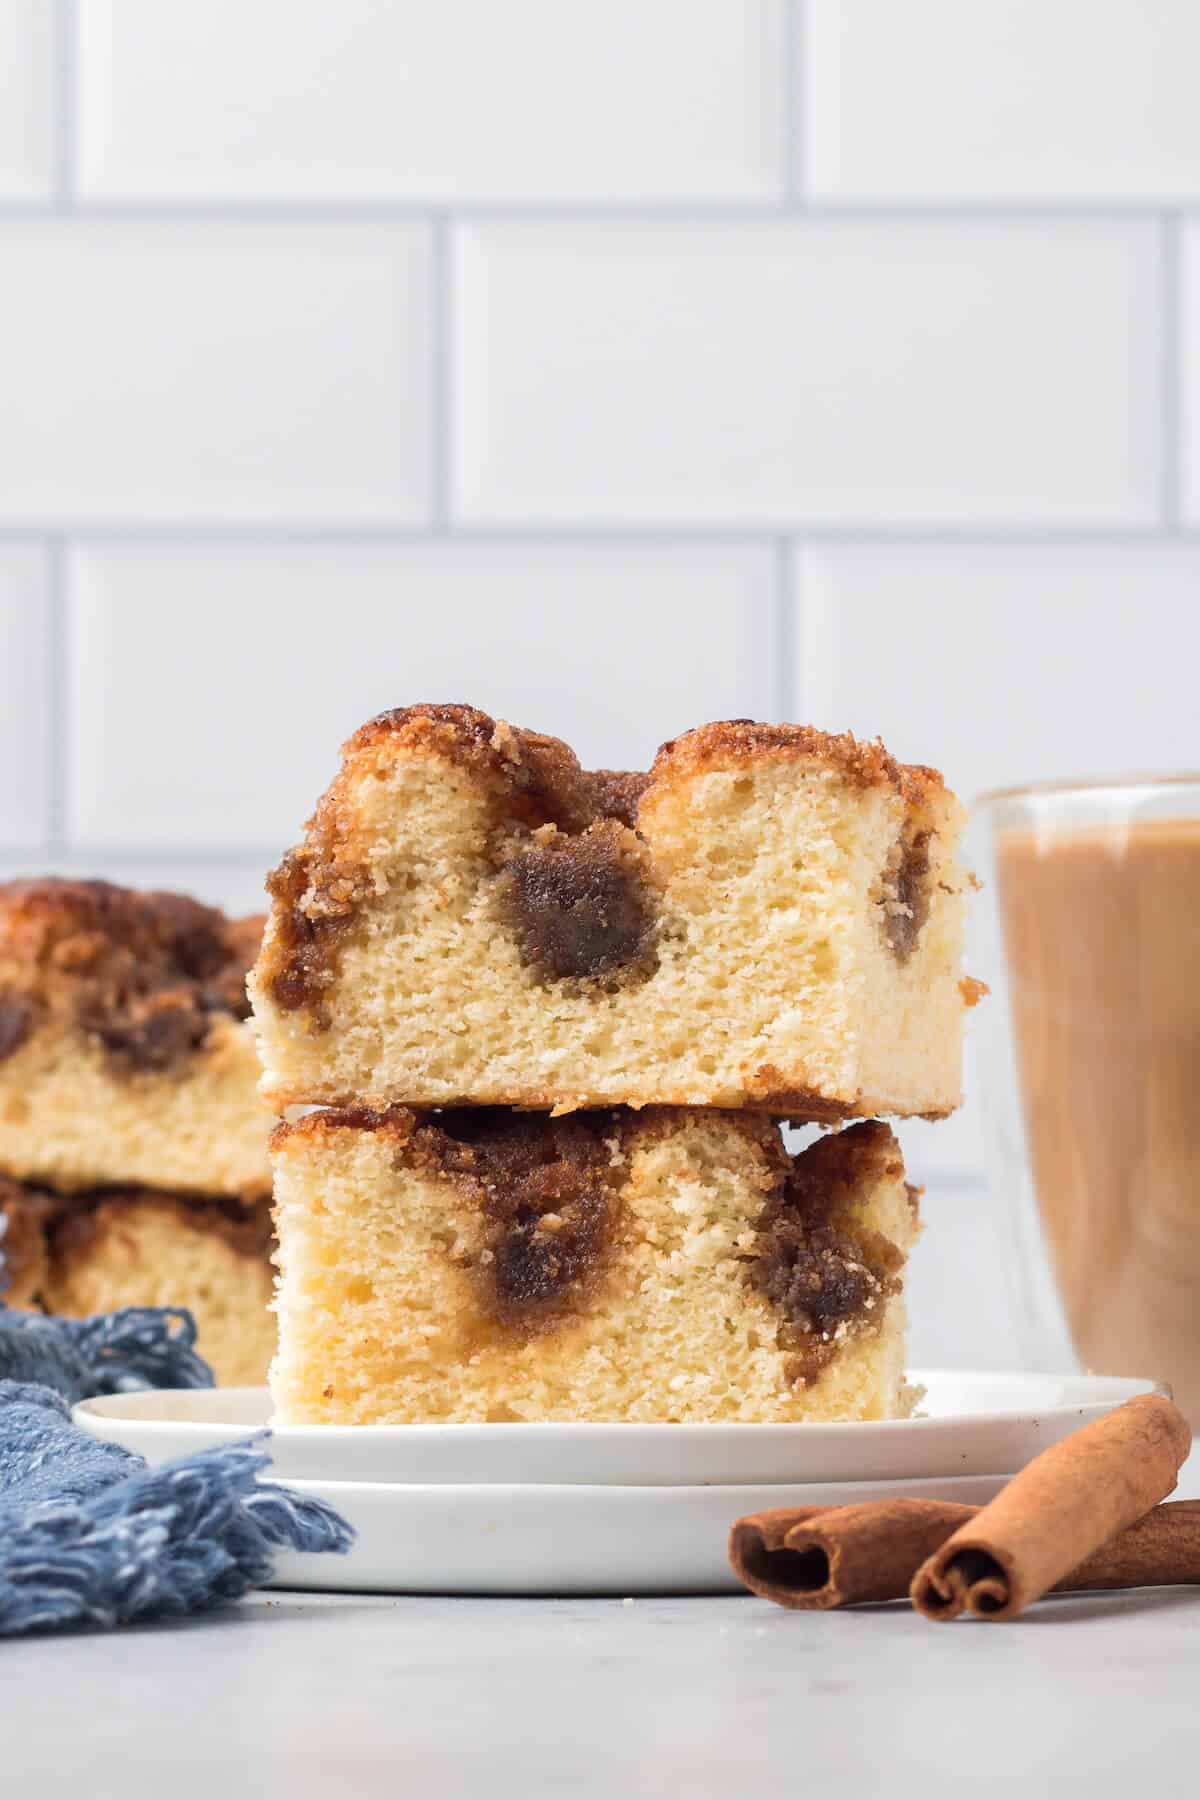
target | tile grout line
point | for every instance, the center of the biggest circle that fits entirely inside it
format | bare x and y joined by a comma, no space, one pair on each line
815,654
348,212
1171,374
592,534
66,104
441,398
801,633
783,634
57,708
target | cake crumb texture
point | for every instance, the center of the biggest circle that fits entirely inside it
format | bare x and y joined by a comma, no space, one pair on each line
125,1055
668,1264
93,1253
771,918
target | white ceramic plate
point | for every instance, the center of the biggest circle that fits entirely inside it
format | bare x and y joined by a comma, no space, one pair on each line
561,1540
973,1425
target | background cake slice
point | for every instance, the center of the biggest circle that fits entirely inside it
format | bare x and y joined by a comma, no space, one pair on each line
125,1055
670,1264
91,1253
770,919
25,1214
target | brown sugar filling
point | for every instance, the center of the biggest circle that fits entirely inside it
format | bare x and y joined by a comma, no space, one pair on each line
617,794
595,923
24,1213
547,1193
38,1224
905,897
151,1017
79,1221
827,1275
580,907
146,972
589,914
16,1022
316,900
579,917
145,1031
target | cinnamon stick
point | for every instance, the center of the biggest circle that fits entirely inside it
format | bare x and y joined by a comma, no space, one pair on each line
813,1558
1063,1506
1162,1549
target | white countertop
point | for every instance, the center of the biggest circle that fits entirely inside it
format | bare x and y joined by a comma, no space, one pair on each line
327,1698
330,1697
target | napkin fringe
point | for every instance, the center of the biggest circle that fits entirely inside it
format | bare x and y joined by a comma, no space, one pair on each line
89,1535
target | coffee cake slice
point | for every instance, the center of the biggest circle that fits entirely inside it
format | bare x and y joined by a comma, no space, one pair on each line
771,918
91,1253
125,1055
669,1264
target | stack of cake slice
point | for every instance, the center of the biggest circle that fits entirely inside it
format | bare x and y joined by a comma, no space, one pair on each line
556,1020
133,1165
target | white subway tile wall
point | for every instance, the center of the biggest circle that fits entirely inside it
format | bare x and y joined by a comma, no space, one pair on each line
269,655
1001,99
27,109
529,100
807,372
214,371
1005,662
1017,661
613,366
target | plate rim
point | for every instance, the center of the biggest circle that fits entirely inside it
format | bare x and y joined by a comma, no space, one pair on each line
624,1489
110,1407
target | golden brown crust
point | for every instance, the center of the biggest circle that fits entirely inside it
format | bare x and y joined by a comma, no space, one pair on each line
59,924
866,764
635,1125
768,1091
540,776
143,973
547,771
398,1123
770,1099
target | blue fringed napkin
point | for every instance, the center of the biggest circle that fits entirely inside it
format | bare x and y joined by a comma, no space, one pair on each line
88,1533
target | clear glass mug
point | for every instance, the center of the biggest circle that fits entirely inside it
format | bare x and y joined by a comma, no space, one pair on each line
1089,1064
